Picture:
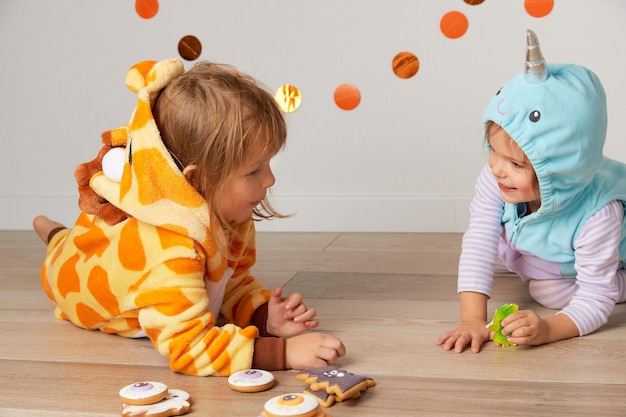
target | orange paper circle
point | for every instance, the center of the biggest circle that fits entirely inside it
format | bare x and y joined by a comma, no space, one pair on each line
147,8
347,96
538,8
405,65
453,24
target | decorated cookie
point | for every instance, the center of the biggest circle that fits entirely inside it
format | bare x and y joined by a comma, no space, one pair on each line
338,382
175,403
141,393
251,380
323,398
293,405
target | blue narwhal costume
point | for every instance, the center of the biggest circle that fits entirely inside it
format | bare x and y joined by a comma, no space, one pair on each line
557,115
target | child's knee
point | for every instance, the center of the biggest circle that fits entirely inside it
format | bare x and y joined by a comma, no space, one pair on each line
553,293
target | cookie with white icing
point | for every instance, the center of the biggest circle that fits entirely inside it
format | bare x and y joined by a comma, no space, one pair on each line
251,380
175,403
293,405
141,393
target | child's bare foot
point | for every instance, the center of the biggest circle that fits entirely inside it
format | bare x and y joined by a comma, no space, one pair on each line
43,226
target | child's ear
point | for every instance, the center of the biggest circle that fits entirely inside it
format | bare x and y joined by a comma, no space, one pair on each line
189,173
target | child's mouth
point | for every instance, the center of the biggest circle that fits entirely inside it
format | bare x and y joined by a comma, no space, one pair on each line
506,189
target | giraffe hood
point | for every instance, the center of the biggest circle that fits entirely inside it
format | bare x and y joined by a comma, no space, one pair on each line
139,175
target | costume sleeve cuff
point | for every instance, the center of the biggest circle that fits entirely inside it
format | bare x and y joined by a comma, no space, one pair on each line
269,354
259,320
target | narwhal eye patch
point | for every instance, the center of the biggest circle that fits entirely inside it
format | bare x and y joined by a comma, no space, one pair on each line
534,116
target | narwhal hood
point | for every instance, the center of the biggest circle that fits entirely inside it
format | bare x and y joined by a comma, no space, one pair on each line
557,115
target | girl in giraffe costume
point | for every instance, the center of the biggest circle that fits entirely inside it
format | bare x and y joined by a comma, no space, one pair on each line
549,206
165,240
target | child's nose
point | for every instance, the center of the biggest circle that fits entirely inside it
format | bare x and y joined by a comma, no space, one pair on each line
496,167
269,179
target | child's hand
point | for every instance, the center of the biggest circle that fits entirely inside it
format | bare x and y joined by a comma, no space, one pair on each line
471,333
288,316
313,350
525,327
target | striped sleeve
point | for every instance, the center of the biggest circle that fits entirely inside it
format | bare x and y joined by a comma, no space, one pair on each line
480,241
597,258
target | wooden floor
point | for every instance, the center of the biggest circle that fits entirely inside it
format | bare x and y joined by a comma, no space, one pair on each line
388,296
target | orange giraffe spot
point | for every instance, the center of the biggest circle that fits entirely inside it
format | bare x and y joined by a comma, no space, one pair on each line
136,285
93,242
142,116
182,341
130,250
188,368
170,239
98,285
215,273
184,266
84,220
245,308
68,277
218,343
132,322
136,76
248,260
163,301
44,283
116,137
153,335
158,181
88,316
58,250
109,330
249,332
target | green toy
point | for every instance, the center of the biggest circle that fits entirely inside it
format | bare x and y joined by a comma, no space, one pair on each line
496,327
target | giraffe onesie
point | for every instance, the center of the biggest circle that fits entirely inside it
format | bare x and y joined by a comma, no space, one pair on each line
157,272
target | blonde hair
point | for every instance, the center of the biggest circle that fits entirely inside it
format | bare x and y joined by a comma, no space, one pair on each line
212,116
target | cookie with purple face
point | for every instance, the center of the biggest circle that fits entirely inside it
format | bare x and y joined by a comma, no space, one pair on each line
141,393
251,380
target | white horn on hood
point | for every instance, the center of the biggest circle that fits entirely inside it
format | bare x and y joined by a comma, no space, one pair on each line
536,70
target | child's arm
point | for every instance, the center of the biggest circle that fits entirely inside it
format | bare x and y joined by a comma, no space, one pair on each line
597,259
476,266
472,331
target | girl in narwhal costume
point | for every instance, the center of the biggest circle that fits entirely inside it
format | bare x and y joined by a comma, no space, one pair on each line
548,206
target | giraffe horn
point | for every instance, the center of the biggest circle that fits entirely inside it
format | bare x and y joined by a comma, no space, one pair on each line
536,70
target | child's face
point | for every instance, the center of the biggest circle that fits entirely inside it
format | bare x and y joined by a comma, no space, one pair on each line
246,188
515,175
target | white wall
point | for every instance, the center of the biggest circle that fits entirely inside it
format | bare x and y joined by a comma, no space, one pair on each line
404,160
